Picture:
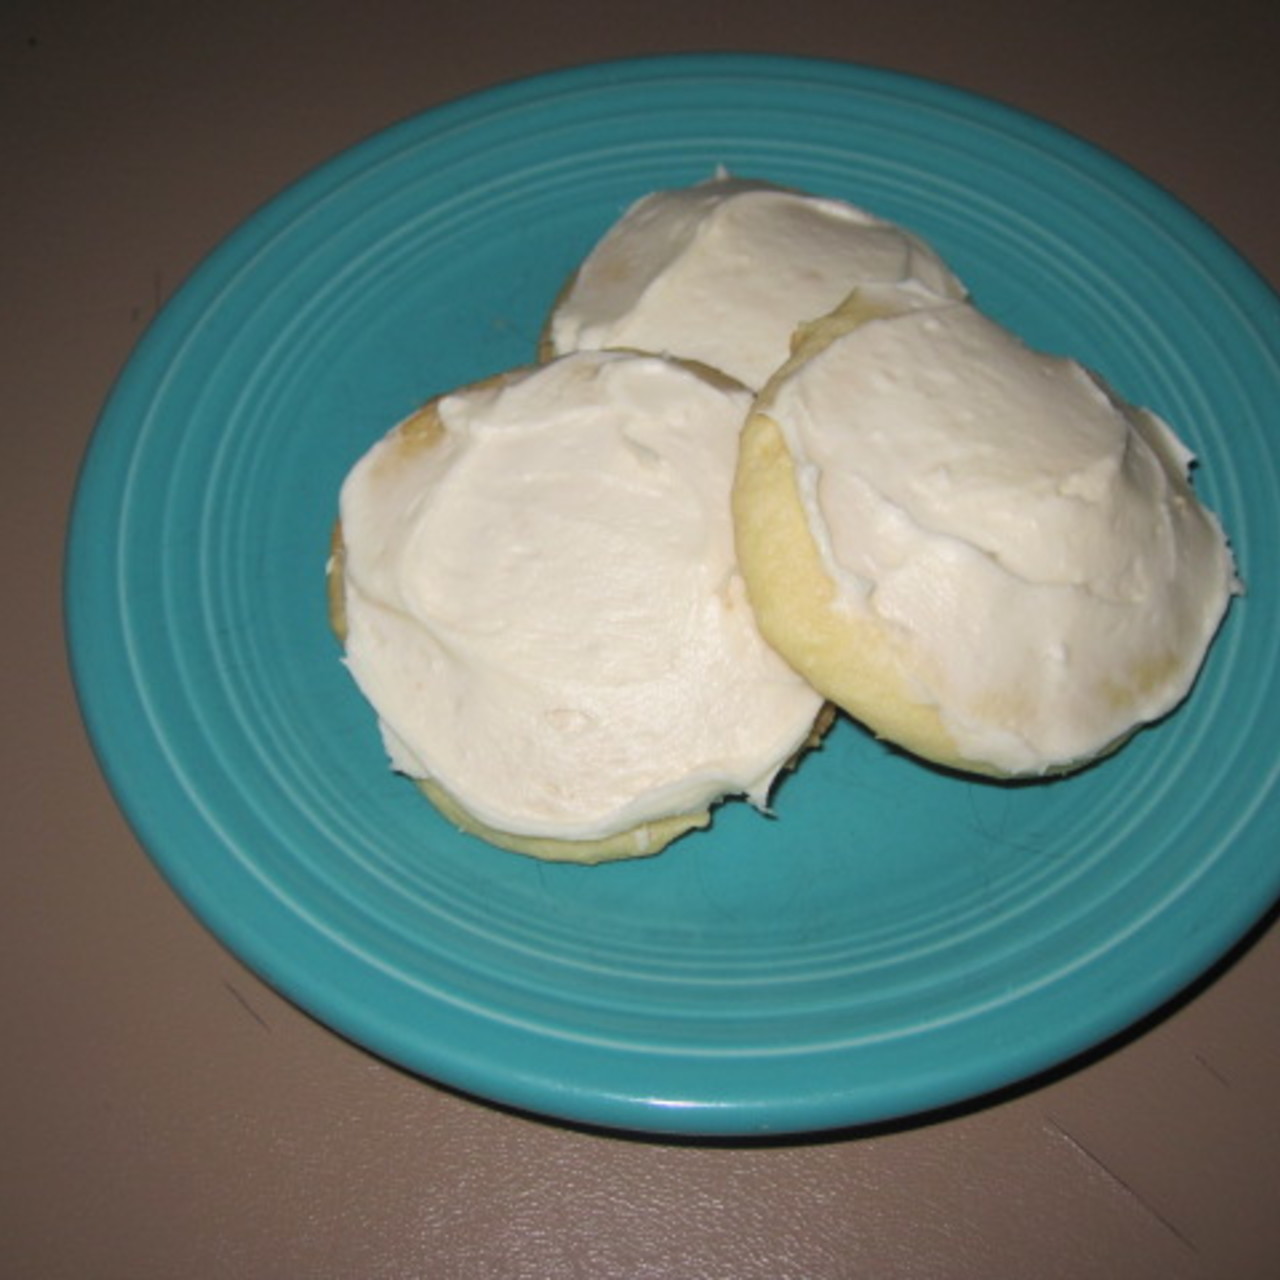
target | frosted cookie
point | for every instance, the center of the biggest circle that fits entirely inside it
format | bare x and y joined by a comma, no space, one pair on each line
976,549
722,272
536,586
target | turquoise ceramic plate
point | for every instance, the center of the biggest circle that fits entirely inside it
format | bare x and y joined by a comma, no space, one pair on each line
893,940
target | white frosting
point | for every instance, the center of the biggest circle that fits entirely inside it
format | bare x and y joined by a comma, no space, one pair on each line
1032,543
724,271
545,610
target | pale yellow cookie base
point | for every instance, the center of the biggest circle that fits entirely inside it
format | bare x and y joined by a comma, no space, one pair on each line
849,658
637,842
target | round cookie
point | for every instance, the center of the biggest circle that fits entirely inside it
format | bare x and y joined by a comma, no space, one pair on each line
977,550
535,583
723,271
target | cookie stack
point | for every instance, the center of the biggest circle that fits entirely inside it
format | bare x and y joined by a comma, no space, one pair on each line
772,461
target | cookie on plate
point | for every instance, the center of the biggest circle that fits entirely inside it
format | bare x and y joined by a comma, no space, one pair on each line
978,550
536,586
723,271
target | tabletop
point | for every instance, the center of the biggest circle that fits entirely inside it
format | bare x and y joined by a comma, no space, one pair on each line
165,1112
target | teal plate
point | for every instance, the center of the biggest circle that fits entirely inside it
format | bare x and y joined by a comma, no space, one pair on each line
892,940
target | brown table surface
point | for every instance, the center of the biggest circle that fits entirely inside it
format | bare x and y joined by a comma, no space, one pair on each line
167,1115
